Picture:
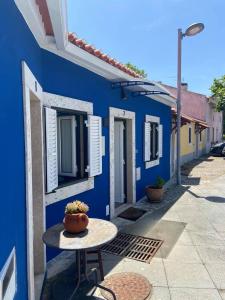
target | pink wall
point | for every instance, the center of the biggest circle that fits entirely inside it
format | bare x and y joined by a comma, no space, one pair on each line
192,104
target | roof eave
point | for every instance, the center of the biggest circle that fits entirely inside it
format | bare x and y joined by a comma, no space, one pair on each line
72,52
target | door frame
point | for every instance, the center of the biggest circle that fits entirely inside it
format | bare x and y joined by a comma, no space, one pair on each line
129,117
31,87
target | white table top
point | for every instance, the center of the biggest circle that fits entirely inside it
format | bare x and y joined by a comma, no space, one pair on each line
98,233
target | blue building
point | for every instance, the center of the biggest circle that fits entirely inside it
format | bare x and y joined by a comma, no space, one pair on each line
69,131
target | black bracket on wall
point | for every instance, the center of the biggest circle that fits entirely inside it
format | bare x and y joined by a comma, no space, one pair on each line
145,93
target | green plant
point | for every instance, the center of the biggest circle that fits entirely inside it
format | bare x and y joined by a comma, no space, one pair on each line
76,207
218,92
137,70
159,183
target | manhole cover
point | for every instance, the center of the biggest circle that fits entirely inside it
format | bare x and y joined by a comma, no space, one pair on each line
127,286
134,247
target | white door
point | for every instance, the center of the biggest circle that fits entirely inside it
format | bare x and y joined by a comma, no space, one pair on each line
119,161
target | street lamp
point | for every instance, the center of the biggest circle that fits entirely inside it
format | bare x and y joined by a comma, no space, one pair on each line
190,31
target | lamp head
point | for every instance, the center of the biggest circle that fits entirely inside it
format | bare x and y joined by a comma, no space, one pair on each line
194,29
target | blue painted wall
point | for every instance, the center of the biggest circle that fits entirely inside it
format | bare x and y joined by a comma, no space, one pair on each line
64,78
58,76
16,44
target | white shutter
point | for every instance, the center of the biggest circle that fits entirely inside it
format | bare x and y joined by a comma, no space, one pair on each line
147,141
160,140
51,149
67,146
94,145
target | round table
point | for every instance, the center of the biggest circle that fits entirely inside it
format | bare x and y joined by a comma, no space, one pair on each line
97,233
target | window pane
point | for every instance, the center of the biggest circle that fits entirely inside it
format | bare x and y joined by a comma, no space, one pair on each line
154,141
66,146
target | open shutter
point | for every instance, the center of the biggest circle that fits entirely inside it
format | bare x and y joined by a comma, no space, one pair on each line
160,140
51,149
147,141
67,146
94,145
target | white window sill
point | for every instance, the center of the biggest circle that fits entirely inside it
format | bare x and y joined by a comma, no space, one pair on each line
150,164
69,191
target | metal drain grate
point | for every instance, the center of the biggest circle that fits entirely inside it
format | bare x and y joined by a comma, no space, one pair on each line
134,247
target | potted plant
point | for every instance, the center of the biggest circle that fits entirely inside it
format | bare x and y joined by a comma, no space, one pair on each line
76,219
155,192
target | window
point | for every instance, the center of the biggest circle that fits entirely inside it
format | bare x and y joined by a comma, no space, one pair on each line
189,135
200,136
153,141
73,147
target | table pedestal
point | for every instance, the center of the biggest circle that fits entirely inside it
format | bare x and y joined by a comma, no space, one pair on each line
82,274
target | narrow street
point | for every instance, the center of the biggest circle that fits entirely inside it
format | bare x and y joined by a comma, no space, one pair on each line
191,262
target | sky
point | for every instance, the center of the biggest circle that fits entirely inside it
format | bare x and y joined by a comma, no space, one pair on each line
144,32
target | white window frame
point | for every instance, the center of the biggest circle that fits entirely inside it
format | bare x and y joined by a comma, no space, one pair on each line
153,163
57,101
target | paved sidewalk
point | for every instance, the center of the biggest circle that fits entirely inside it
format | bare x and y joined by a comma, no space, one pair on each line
191,220
191,263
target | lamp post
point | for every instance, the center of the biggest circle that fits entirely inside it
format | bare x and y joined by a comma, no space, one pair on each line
190,31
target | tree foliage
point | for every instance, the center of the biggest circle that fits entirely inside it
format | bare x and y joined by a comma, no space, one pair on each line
141,72
218,91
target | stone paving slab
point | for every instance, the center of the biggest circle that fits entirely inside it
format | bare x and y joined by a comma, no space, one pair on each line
194,294
217,273
187,275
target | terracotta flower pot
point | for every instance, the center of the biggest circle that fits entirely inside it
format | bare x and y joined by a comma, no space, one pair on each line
75,223
154,194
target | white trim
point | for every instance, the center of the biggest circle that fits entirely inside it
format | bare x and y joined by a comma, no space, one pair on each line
11,289
150,164
69,191
75,54
57,101
58,14
154,119
32,16
131,192
30,84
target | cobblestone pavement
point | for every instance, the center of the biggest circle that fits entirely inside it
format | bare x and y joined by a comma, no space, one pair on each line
191,220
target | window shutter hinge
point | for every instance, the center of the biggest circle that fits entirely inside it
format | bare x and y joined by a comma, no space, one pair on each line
87,169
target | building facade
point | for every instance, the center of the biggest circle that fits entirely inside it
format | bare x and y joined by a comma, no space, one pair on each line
201,125
69,133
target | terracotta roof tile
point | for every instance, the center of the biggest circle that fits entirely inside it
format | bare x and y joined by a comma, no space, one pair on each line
43,8
98,53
